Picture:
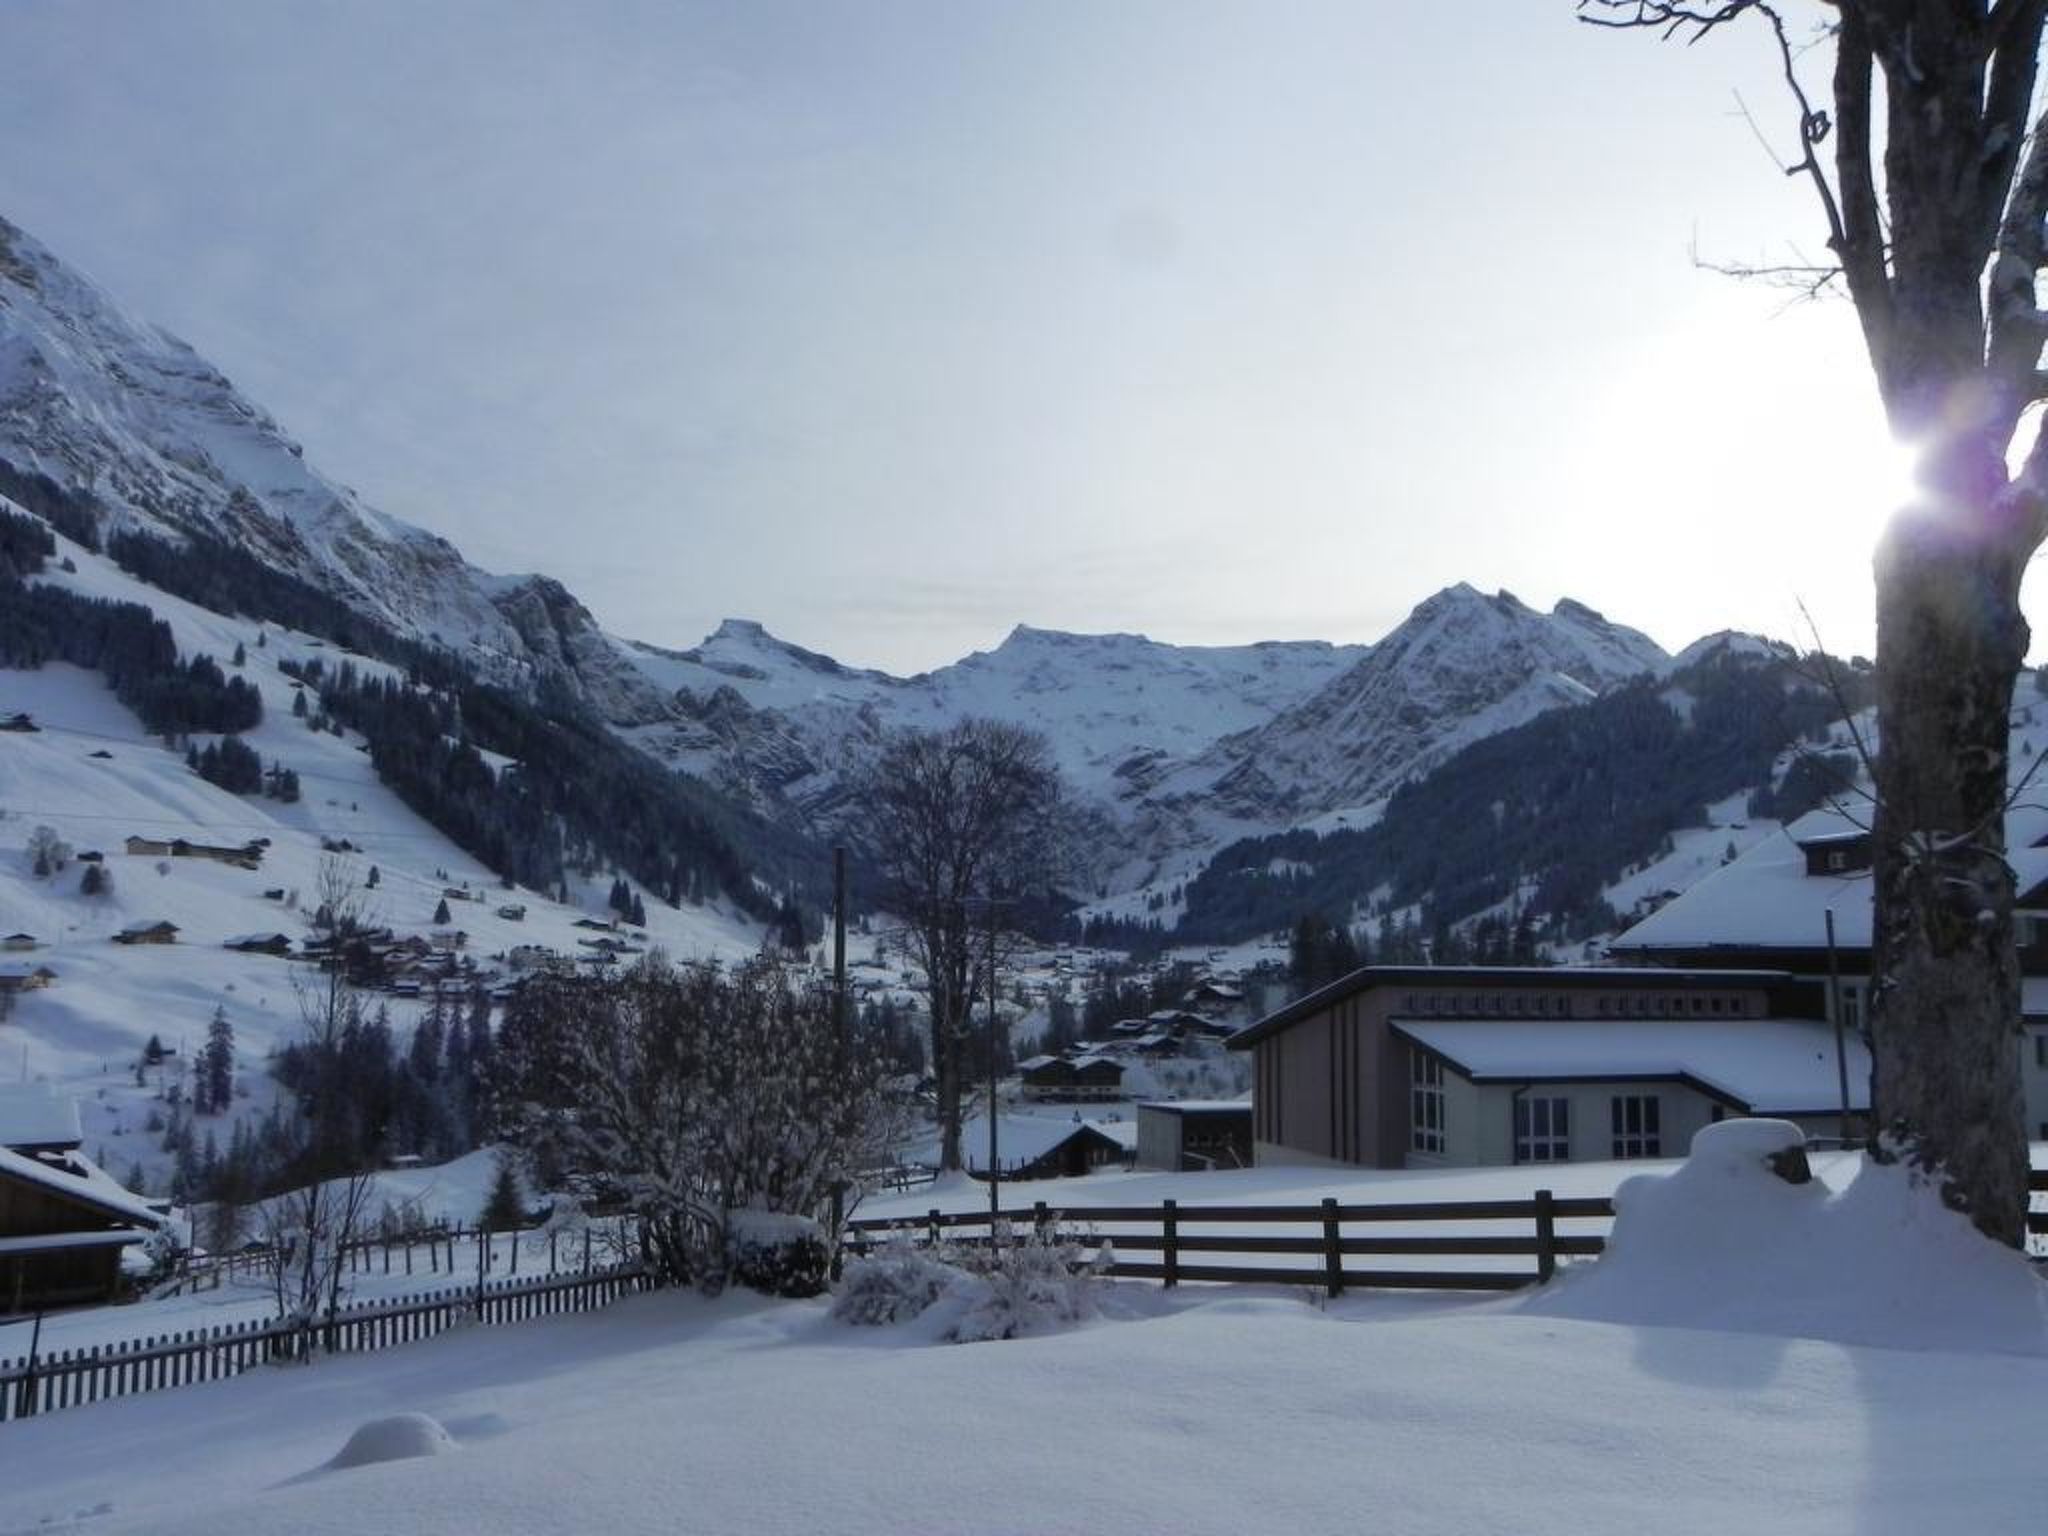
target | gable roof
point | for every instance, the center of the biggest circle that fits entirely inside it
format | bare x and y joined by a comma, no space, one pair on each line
32,1115
78,1179
1549,978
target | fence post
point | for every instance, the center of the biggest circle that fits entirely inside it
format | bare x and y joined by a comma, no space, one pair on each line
932,1231
1169,1231
1546,1237
1040,1219
1333,1255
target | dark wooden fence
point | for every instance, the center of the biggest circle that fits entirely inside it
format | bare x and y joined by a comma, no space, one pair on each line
1323,1240
73,1377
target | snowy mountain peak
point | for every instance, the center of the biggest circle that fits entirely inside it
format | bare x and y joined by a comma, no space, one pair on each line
1462,665
123,413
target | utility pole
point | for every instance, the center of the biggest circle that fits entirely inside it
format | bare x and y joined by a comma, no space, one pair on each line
994,1167
1835,1016
838,1024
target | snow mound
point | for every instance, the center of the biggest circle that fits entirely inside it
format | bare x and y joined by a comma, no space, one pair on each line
1723,1243
401,1437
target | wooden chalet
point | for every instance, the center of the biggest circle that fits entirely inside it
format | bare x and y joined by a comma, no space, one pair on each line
18,942
1035,1147
159,932
260,944
25,978
1065,1079
63,1222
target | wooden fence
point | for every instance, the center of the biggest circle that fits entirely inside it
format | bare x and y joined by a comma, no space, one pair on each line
1326,1237
426,1250
73,1377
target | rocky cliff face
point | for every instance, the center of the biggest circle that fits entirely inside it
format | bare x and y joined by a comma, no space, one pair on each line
102,402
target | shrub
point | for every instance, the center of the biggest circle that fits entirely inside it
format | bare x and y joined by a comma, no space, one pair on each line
892,1286
777,1255
1030,1284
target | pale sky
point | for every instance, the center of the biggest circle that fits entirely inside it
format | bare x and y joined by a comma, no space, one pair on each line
893,325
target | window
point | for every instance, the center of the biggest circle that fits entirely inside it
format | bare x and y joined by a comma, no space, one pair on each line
2041,1050
1425,1102
1543,1130
1852,1007
1635,1125
1838,860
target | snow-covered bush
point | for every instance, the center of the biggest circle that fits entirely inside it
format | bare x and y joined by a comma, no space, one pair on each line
1030,1284
893,1285
1023,1284
777,1254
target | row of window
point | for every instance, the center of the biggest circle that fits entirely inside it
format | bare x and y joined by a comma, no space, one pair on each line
1543,1122
1559,1006
1543,1127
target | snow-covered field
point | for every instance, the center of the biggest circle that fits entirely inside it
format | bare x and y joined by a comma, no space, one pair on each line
1749,1356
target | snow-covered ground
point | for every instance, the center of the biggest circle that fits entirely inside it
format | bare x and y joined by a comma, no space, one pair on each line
1740,1405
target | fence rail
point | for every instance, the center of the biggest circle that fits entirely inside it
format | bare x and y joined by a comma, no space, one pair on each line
71,1378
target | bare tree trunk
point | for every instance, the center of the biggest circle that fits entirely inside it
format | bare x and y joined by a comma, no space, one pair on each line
1945,1006
946,1060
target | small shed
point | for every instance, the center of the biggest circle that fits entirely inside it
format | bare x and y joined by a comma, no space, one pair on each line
19,941
1195,1135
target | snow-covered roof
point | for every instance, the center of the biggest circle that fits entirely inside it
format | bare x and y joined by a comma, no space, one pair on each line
33,1115
78,1178
1198,1106
45,1242
1019,1139
1766,899
1765,1065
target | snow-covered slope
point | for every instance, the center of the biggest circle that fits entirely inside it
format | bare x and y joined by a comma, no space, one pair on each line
96,777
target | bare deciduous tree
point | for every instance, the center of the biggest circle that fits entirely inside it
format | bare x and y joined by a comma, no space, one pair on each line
1931,176
308,1228
693,1093
951,818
